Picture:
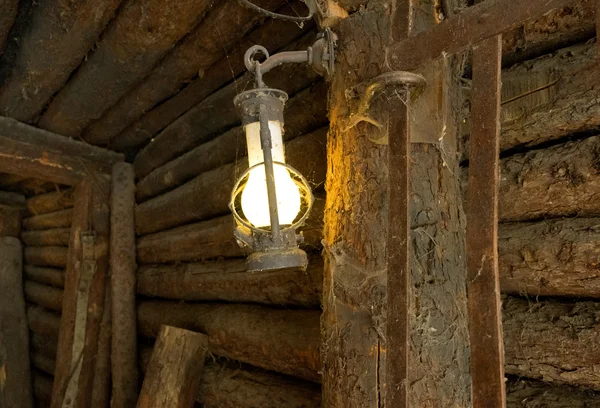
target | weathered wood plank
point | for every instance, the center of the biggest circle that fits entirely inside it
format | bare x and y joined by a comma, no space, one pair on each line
485,319
125,376
84,294
49,221
60,33
49,237
43,295
229,281
32,152
175,369
273,34
50,202
133,43
285,341
305,112
15,384
524,393
216,114
48,276
306,154
224,25
46,256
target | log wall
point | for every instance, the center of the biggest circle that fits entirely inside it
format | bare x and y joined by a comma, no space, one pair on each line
45,236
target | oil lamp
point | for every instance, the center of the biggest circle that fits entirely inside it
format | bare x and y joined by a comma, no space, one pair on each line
271,200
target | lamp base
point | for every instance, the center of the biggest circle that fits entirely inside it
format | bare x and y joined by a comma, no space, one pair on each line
277,260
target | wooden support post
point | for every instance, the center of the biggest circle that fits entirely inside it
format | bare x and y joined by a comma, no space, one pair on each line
15,376
485,310
175,370
125,376
83,299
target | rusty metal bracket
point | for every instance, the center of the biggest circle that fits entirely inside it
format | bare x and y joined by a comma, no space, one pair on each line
388,83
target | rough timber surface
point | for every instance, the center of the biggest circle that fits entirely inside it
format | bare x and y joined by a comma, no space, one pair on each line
523,393
60,34
9,12
141,34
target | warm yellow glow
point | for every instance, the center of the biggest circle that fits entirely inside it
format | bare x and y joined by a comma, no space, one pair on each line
255,200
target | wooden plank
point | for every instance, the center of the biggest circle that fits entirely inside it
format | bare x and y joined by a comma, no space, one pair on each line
43,295
46,256
15,388
523,392
49,221
129,48
58,37
485,319
84,294
49,237
285,341
273,34
477,23
125,376
36,153
50,202
175,369
101,389
48,276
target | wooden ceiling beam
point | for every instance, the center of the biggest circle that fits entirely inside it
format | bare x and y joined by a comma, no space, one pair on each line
31,152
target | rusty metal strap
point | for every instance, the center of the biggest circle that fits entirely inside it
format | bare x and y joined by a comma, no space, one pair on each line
476,23
88,270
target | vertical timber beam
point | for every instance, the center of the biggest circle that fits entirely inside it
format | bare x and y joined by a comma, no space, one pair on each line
125,374
15,375
485,311
84,295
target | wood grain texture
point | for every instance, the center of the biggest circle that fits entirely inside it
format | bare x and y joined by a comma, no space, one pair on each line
44,295
49,276
50,202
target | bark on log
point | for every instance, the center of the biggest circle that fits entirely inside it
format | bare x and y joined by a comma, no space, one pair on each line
50,202
229,281
44,295
49,237
175,369
84,293
214,239
43,344
208,194
10,223
36,153
140,35
43,321
48,276
548,98
57,219
285,341
125,376
9,12
42,386
536,394
224,25
46,364
213,116
272,35
46,256
59,35
305,112
553,341
551,258
556,182
15,388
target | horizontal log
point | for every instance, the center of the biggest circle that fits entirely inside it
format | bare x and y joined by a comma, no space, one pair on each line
548,98
272,34
50,202
305,112
48,276
43,295
49,53
43,363
530,394
551,258
213,116
132,44
559,181
228,280
49,237
43,344
9,12
213,239
43,321
225,24
12,201
553,341
42,386
57,219
36,153
285,341
10,223
46,256
208,194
